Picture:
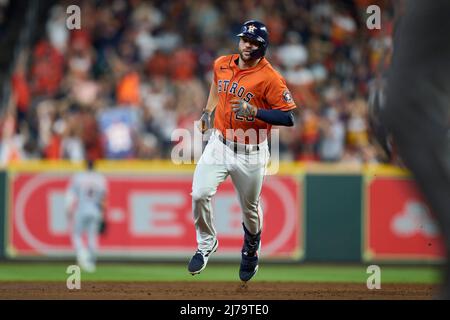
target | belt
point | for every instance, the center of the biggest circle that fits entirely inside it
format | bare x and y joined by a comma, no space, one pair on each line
239,148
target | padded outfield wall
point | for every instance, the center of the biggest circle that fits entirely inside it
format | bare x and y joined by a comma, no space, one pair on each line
312,212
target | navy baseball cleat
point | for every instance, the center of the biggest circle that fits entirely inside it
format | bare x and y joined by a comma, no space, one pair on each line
249,255
199,259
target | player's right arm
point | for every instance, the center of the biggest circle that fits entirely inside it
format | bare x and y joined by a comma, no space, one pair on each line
213,98
70,199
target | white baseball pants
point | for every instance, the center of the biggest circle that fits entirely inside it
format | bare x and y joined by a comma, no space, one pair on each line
246,167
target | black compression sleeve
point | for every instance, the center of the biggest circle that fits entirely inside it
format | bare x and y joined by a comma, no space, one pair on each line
276,117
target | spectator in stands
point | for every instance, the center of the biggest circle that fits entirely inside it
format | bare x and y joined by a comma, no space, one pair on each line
157,58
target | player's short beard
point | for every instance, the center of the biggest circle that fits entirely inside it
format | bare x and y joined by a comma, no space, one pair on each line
245,59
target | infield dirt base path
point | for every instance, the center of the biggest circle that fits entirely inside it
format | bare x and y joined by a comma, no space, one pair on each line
212,290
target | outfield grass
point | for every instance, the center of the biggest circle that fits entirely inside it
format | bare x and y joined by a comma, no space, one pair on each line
216,272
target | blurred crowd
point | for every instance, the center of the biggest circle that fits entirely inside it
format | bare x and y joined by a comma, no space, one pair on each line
137,70
3,5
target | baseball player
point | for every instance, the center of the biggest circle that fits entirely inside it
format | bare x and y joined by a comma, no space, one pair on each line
85,203
248,97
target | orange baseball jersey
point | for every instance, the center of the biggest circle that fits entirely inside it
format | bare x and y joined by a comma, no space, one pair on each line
261,86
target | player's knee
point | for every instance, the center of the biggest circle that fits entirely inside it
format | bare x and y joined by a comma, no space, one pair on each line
203,194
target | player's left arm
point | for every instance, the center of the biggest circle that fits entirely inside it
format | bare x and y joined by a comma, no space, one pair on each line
278,98
102,206
273,116
276,117
104,195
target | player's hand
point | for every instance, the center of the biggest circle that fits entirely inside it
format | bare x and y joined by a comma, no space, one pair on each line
205,122
242,108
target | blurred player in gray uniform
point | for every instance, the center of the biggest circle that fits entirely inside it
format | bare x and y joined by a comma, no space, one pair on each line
85,203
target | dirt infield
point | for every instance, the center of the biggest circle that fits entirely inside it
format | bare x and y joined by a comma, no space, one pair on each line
212,290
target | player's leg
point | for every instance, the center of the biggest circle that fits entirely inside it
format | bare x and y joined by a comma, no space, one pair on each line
209,173
418,105
93,225
77,239
248,184
248,177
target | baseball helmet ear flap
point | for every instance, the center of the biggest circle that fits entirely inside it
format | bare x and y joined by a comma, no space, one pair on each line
256,31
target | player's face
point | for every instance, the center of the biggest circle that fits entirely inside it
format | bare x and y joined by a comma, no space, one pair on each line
246,46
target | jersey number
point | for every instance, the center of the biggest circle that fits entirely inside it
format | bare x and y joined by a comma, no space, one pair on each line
247,118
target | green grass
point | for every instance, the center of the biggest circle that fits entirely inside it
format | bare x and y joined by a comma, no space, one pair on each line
217,272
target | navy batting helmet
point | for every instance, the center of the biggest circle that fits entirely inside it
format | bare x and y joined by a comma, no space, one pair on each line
257,31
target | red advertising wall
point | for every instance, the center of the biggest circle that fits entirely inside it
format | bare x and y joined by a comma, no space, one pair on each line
150,216
399,224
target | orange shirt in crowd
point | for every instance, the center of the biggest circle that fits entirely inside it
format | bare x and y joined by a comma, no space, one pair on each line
21,91
128,89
